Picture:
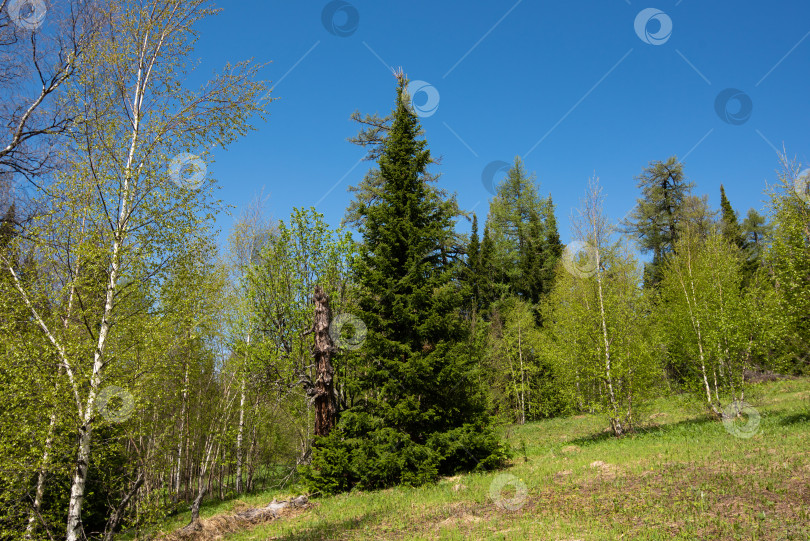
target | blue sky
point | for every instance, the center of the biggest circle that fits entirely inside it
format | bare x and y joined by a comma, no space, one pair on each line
568,85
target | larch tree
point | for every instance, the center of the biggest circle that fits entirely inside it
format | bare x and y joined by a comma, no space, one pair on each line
756,234
657,217
520,226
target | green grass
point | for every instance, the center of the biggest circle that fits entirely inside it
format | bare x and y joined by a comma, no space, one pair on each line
682,476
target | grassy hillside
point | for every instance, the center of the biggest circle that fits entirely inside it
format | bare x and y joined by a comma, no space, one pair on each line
683,476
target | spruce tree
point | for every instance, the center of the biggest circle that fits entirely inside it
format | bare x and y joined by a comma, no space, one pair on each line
472,275
423,413
492,285
552,247
729,225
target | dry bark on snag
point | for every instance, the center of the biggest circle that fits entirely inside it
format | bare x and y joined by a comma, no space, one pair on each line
324,391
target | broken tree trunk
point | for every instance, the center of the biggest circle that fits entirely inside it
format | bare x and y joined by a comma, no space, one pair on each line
324,395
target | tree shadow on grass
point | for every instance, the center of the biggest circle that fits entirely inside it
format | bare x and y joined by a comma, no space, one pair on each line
650,430
329,529
796,418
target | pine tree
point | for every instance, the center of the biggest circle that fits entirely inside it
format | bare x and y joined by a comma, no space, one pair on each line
729,225
657,219
423,413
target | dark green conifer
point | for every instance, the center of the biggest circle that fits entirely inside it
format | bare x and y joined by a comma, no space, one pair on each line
729,225
424,411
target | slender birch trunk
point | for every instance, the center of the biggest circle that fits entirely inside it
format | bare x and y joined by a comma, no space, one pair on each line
195,506
522,379
241,430
616,424
181,437
43,470
696,326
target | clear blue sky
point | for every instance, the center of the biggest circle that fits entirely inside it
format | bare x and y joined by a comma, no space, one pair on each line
573,76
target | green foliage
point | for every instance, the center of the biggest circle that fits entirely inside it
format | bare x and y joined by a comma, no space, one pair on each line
788,263
659,213
756,232
521,383
729,223
364,454
300,254
598,337
715,329
575,339
525,245
414,376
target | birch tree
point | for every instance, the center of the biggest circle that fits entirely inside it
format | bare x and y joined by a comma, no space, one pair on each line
596,325
41,51
713,326
788,257
114,205
249,234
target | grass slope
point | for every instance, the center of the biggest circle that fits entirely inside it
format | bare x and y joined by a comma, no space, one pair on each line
683,476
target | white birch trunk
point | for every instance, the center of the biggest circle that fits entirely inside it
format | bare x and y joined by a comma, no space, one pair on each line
241,430
614,421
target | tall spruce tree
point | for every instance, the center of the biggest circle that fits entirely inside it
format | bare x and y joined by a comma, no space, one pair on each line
472,275
423,413
552,246
729,224
493,284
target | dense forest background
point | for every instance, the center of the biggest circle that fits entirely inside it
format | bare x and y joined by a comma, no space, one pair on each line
145,369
